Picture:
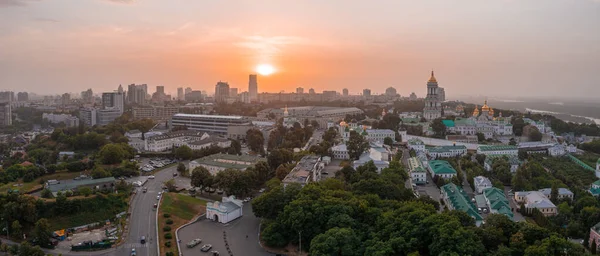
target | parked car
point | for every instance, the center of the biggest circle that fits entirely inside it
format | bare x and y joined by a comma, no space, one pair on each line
145,190
215,253
133,253
206,247
155,206
143,240
151,177
194,242
157,197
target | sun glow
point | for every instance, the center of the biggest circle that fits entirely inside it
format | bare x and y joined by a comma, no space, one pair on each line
265,69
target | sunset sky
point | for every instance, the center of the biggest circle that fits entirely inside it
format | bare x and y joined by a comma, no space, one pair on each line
502,48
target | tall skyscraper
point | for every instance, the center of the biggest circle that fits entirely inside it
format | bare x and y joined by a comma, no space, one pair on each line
160,89
5,113
367,92
390,91
120,89
180,95
188,90
299,90
7,96
253,87
221,91
22,96
65,98
433,107
345,92
113,100
87,96
136,94
311,91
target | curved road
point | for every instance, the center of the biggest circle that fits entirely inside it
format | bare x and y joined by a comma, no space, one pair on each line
142,222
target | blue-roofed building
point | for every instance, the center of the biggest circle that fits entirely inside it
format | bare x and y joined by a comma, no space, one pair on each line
563,193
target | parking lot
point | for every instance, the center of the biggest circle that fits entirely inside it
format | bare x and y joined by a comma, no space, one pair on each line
241,236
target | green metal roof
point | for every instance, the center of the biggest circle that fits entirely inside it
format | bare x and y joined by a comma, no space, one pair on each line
415,165
459,200
448,123
497,147
597,182
498,201
441,149
464,121
441,167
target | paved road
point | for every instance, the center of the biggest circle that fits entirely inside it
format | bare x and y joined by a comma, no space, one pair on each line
142,222
466,186
212,233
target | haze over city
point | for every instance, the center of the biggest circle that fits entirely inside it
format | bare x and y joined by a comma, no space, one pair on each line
493,48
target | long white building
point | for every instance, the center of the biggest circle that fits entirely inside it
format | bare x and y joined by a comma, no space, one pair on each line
208,123
69,120
194,139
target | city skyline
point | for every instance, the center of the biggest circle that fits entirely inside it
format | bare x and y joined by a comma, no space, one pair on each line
496,48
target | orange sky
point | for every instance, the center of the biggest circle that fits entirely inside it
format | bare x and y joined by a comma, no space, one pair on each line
496,47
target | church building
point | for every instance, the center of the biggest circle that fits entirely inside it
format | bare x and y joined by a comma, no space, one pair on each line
433,105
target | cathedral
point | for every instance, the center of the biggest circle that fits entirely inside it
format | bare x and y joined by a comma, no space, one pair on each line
433,105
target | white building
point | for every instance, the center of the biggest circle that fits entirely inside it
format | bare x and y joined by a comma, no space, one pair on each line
481,183
418,174
225,211
417,145
447,151
69,120
378,153
340,152
208,123
536,199
193,139
498,150
563,193
379,135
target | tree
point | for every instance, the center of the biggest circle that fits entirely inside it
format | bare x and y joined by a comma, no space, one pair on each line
388,141
518,125
46,193
480,137
181,169
255,140
236,147
42,232
281,172
184,152
234,182
356,145
85,191
25,249
99,172
438,128
554,192
280,156
330,135
593,247
112,154
201,177
16,230
170,184
336,241
535,134
480,158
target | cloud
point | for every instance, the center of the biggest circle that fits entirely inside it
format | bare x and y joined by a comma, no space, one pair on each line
12,3
181,28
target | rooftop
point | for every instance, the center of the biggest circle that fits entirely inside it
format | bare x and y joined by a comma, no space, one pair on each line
482,181
302,170
415,165
72,184
459,200
240,162
448,123
441,149
209,116
561,191
441,167
496,147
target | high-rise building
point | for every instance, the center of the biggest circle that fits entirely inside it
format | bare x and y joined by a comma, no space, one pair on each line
120,89
22,96
160,94
221,91
180,95
65,98
390,91
441,94
299,90
87,96
113,100
345,92
7,96
245,97
233,92
160,89
311,91
253,87
367,92
193,96
88,116
5,113
188,90
433,107
136,94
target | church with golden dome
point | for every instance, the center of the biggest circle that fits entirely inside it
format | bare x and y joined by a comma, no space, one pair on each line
491,125
433,102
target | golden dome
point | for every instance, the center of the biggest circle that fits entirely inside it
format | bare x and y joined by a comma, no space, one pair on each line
432,78
343,123
476,111
485,107
491,112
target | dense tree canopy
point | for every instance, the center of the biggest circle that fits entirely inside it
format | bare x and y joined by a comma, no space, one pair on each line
357,144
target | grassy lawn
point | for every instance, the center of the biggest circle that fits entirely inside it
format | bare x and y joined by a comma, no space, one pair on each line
182,209
79,219
63,175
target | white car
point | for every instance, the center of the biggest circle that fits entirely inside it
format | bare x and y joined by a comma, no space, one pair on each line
159,193
157,197
151,177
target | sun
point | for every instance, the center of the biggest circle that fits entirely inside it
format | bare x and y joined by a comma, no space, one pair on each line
265,69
